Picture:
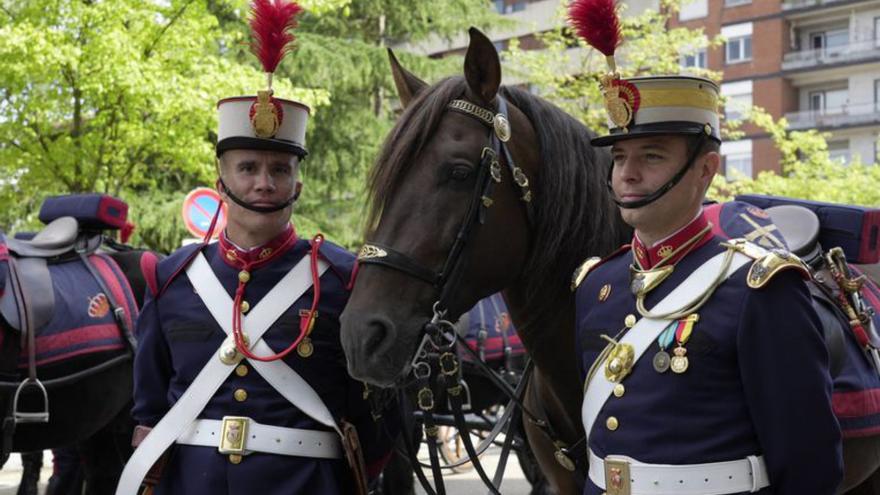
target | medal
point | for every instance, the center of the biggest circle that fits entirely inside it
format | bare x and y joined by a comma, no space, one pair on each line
679,362
661,361
305,347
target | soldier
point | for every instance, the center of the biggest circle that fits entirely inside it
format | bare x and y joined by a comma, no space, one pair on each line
239,368
705,371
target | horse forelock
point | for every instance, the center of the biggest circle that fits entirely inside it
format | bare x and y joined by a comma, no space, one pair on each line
412,131
574,215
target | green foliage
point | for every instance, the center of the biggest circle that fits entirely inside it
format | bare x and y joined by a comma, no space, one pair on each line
118,97
807,170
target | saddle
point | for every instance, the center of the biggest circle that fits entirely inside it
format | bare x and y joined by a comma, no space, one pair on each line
28,292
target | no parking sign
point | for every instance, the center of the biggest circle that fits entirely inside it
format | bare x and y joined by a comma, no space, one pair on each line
199,207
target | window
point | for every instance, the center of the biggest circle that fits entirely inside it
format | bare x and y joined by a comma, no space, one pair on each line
877,31
876,95
838,151
828,101
695,60
736,3
693,9
834,41
739,49
737,165
737,159
737,106
738,98
739,42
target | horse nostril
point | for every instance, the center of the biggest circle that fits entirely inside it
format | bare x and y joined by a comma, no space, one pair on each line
379,331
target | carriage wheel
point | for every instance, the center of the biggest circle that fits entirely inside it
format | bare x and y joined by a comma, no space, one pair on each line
452,448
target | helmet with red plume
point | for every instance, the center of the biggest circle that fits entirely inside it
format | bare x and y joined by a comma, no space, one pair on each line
264,122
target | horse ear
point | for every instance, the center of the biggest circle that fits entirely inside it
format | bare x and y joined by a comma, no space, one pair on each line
482,69
408,85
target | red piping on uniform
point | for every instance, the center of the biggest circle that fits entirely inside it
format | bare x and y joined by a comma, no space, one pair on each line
304,325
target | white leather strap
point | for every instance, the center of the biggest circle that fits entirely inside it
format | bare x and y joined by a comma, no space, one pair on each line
714,478
187,408
267,439
646,330
282,378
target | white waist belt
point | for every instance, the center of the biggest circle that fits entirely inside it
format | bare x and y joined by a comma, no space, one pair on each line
714,478
241,435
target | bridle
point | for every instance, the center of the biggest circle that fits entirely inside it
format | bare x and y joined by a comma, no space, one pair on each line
439,338
488,174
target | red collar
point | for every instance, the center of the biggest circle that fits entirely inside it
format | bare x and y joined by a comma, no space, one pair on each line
647,258
257,256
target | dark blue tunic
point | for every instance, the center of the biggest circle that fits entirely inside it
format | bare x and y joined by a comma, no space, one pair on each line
758,381
177,336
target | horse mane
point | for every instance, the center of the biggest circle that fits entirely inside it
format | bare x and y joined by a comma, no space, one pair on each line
574,215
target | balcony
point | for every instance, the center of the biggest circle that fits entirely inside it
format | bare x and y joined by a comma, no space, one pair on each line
788,5
847,115
849,53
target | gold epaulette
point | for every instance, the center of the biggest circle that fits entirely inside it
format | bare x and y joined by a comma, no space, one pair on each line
580,273
767,262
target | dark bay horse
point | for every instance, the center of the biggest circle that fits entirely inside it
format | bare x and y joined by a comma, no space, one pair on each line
89,392
420,188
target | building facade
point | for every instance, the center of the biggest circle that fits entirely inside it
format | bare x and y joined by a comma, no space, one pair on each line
815,62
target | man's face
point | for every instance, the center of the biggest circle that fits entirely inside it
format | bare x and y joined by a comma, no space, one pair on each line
259,178
643,165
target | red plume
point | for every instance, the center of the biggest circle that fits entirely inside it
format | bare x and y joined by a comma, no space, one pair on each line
596,21
271,22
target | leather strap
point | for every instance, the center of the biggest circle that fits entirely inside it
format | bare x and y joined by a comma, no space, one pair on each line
713,478
268,439
211,377
646,330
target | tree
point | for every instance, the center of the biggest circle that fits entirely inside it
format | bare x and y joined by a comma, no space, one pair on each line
807,170
110,97
119,97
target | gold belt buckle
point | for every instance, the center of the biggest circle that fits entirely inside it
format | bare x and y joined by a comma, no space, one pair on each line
233,433
617,477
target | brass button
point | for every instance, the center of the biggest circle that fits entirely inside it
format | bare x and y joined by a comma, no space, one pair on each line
611,423
241,370
230,255
629,321
244,276
240,395
245,307
619,390
235,458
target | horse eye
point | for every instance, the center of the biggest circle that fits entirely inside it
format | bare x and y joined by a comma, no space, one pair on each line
461,172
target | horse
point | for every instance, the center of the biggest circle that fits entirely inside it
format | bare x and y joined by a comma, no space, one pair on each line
419,190
88,390
426,171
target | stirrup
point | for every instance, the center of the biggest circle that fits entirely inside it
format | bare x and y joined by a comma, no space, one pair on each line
31,417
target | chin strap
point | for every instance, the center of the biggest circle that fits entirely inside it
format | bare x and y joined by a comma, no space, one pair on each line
665,187
258,209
